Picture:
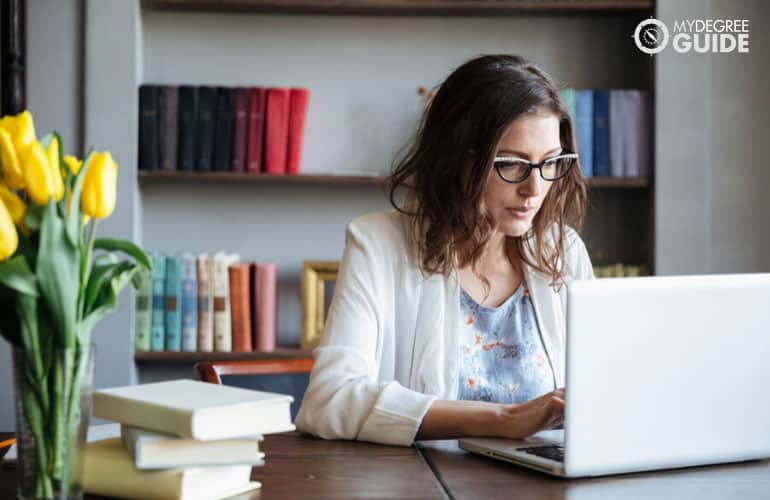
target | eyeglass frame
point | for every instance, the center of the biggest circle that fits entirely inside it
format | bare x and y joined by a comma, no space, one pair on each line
531,165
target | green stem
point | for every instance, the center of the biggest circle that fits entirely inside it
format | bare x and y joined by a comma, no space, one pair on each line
34,420
61,365
85,271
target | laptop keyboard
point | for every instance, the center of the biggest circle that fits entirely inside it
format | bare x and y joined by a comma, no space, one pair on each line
553,452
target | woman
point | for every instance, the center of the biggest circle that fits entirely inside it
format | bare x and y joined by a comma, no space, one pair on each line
448,318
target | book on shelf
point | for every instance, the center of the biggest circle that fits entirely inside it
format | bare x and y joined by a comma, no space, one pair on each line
204,128
264,278
205,303
223,129
298,102
156,450
189,298
173,310
240,129
617,133
109,471
195,410
601,167
143,308
168,122
221,291
256,127
584,130
149,96
158,338
188,105
240,309
276,130
619,270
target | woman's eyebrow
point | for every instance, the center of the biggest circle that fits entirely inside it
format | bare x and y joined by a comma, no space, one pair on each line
525,156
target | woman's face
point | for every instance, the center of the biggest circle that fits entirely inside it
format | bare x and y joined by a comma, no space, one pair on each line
532,137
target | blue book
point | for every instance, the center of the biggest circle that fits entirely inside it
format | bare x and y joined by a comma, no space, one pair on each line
173,304
568,96
584,130
189,303
601,133
158,328
617,135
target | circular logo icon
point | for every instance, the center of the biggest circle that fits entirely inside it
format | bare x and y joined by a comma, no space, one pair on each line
651,36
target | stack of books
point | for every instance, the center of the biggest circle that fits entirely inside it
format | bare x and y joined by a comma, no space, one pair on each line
221,129
613,130
206,303
182,439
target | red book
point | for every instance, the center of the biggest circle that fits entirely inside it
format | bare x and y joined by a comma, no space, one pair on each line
276,130
263,288
240,312
298,99
242,95
256,126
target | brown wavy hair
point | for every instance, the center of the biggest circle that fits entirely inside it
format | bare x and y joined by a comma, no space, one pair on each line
443,171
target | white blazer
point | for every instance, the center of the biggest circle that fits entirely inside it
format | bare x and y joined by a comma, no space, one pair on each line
391,339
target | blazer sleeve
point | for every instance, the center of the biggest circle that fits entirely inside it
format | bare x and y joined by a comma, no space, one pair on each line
344,399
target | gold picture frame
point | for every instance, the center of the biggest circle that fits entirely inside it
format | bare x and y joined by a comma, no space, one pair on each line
316,275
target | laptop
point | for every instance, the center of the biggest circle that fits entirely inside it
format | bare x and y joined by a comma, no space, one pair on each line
661,372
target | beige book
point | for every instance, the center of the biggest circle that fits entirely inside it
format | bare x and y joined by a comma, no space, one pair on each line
194,409
205,303
109,471
223,341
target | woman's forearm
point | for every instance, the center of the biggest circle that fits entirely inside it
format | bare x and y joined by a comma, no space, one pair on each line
452,419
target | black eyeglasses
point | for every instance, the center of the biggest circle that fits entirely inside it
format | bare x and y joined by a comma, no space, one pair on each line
514,170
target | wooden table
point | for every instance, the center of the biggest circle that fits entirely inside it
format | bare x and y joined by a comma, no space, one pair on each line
299,466
469,476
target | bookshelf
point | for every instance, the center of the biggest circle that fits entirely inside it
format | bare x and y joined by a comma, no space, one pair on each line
160,177
147,357
620,219
404,7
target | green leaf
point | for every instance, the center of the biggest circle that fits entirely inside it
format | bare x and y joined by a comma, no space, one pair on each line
101,276
58,271
9,319
33,216
75,218
16,275
115,245
106,301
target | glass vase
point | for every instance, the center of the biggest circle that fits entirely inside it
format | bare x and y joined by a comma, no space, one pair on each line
53,391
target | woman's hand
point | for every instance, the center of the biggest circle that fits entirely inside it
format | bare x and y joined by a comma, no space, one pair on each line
524,419
453,419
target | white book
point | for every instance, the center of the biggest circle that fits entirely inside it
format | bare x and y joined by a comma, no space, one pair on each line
109,471
155,450
223,341
197,410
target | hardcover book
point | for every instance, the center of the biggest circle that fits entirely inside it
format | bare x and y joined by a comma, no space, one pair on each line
584,130
617,135
204,136
195,410
298,101
168,111
276,130
149,157
601,133
189,303
188,105
241,129
264,282
240,308
223,130
205,303
143,316
173,304
158,339
257,102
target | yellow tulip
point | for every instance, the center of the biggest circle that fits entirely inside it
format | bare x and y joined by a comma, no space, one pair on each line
73,163
9,161
24,132
15,205
9,238
99,186
55,165
39,175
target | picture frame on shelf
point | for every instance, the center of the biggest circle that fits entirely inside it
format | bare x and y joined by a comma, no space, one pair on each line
317,285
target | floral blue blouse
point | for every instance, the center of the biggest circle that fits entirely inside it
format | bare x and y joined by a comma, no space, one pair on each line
502,354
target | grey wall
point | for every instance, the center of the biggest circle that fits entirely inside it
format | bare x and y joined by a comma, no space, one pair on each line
712,130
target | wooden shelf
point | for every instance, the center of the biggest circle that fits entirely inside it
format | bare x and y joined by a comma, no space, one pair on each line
147,177
226,177
145,357
406,7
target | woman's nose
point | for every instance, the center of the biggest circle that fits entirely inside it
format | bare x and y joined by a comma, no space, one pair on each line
532,185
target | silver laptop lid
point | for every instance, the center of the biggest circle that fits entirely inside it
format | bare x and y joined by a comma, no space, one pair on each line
667,372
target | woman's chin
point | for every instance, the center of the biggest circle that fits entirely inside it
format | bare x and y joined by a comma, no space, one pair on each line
517,228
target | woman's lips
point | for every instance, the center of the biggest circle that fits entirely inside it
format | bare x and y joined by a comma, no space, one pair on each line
521,212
